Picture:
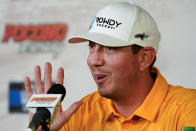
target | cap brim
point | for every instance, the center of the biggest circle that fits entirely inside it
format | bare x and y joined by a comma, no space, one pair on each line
101,39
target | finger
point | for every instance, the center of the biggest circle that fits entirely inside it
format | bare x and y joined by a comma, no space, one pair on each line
28,88
72,109
47,76
38,81
60,76
29,92
30,116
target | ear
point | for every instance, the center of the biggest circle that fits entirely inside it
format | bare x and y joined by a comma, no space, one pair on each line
146,57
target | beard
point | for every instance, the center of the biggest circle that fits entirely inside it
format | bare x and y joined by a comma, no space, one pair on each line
109,92
117,87
117,90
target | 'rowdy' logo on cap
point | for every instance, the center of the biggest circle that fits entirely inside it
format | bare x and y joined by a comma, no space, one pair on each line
92,23
107,23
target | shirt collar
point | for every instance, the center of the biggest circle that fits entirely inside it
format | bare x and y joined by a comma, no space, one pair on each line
152,103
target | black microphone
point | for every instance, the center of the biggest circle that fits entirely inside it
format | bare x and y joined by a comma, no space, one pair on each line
43,116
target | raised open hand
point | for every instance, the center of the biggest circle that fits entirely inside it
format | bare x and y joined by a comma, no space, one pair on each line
62,116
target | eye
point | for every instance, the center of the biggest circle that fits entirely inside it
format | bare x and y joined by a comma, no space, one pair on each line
110,48
91,45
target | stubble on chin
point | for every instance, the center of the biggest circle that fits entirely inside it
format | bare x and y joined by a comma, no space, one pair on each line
105,93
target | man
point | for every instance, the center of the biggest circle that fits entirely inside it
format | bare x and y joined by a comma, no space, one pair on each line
132,95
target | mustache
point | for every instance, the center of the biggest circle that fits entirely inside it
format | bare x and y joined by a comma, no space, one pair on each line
101,70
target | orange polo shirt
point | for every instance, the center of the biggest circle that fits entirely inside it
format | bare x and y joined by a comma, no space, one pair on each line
166,108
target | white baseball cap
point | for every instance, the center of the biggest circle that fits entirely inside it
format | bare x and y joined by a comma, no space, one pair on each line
122,24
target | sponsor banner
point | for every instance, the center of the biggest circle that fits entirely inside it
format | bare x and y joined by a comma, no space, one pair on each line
36,33
37,38
18,98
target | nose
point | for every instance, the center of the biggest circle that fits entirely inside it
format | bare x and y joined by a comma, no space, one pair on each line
96,57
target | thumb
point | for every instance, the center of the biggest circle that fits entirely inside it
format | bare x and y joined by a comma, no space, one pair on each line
72,109
64,117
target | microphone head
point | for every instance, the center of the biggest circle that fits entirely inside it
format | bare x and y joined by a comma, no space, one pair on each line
57,89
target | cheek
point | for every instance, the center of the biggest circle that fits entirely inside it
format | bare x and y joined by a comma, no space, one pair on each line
121,74
118,65
122,69
118,70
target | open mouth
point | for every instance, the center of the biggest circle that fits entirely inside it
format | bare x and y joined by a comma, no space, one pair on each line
100,77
